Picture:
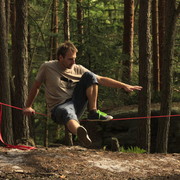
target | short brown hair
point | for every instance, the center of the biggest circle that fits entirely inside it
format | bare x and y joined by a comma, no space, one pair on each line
64,47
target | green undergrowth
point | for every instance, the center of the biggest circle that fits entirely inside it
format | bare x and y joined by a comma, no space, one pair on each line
132,150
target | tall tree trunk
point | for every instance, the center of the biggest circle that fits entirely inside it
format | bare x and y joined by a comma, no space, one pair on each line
54,30
52,54
68,135
128,37
161,13
80,26
88,34
166,92
7,2
155,41
20,73
66,21
144,107
80,21
4,80
13,48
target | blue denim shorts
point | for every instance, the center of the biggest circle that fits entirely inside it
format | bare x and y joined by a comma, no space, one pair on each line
73,108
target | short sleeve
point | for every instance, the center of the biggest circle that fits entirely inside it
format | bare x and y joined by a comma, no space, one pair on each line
41,73
83,69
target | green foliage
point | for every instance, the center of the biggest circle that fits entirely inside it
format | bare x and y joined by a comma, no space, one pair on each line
132,150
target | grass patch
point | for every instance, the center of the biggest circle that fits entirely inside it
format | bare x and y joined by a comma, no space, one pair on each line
132,150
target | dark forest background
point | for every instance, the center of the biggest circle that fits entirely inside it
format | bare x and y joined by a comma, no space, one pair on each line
134,41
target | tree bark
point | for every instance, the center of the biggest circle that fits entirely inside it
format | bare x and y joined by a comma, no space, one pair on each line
7,7
128,37
161,8
144,107
80,21
155,46
166,92
80,27
4,80
66,21
68,135
54,30
20,73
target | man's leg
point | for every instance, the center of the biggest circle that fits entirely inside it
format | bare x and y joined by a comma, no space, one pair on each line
92,94
65,114
72,126
87,91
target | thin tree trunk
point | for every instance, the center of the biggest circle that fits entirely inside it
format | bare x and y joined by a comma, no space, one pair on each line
155,41
52,53
80,21
66,21
144,107
161,8
88,34
54,30
40,32
4,80
80,26
68,135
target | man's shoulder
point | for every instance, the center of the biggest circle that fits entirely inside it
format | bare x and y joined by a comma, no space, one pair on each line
51,62
79,69
78,66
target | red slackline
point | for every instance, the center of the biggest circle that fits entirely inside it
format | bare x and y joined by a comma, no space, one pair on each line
30,147
21,147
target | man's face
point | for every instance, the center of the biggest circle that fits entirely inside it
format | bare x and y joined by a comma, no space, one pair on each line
69,60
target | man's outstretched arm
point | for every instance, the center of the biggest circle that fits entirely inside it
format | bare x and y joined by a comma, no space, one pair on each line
31,97
109,82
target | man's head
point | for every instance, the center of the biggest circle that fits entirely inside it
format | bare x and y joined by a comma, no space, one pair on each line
66,54
64,48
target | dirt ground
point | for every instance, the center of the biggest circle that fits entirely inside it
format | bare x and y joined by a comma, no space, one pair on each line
79,163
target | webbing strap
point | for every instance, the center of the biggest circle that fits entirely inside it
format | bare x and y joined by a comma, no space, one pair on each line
21,147
29,147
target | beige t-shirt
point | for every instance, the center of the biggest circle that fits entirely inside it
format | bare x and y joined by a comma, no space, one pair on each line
59,84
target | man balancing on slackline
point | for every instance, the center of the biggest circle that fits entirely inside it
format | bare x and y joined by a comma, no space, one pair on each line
69,88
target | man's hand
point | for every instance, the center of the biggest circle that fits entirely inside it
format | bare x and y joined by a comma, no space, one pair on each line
29,111
130,88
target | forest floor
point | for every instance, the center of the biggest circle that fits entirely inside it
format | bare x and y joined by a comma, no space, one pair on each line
76,163
79,163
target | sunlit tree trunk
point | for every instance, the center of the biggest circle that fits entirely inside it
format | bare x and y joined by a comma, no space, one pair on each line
144,107
4,80
66,20
166,91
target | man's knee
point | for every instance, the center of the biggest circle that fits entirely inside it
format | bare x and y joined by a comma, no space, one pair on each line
90,77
